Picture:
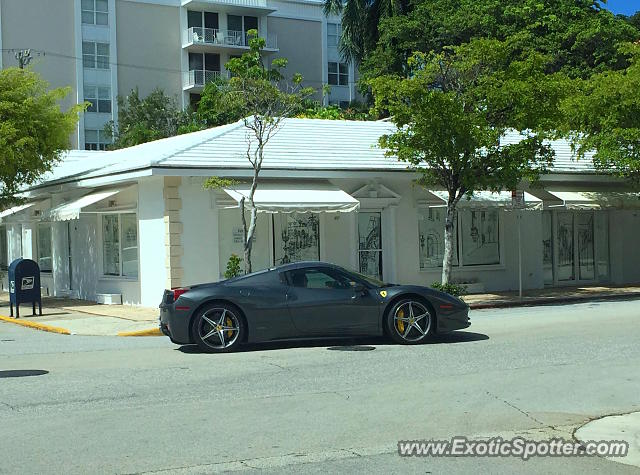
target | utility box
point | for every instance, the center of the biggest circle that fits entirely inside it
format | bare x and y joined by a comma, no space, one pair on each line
24,285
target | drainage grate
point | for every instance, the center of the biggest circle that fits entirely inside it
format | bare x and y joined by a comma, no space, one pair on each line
21,373
352,348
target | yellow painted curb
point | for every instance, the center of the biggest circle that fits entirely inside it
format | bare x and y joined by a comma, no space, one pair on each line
37,326
147,332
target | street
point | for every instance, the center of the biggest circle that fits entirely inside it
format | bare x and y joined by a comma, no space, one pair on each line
144,405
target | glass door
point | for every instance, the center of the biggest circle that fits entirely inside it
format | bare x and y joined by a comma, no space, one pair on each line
547,247
584,246
564,238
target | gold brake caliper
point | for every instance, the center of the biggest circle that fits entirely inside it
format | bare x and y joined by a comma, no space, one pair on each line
400,323
229,324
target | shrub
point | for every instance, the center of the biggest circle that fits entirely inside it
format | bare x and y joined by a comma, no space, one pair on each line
233,267
453,289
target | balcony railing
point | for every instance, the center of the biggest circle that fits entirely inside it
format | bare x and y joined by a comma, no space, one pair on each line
198,77
233,38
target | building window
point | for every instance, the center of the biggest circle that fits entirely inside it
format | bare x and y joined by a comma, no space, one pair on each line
296,237
476,238
99,99
338,74
4,249
95,140
120,245
479,232
95,55
431,238
45,258
334,31
95,12
370,244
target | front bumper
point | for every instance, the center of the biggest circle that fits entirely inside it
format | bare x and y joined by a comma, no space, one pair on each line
454,319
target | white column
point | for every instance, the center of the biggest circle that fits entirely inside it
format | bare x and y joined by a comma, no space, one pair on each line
29,250
151,240
389,247
60,255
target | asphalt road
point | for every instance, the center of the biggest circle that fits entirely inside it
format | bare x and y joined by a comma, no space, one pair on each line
140,405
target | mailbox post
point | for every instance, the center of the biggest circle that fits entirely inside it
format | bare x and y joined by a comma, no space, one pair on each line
24,285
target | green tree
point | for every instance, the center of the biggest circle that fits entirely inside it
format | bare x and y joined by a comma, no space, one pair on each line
603,118
34,131
157,116
265,99
216,107
452,112
360,20
580,36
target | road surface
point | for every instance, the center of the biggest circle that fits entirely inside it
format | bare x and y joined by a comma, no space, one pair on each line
143,405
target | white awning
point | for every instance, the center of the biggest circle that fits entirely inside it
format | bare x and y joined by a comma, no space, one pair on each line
72,210
16,209
488,199
590,199
302,197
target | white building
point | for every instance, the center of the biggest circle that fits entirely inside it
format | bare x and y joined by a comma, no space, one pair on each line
135,221
105,48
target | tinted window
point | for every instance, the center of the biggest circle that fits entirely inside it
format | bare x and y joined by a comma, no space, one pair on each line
319,279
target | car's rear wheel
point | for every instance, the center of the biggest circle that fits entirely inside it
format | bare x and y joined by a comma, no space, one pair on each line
410,322
219,328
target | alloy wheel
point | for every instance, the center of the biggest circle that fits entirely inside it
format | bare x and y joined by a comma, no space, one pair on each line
219,328
412,321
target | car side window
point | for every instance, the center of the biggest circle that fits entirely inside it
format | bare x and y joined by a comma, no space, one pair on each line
318,279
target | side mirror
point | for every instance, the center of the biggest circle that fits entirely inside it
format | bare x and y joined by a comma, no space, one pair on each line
359,289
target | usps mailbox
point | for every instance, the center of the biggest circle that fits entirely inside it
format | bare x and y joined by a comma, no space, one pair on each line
24,285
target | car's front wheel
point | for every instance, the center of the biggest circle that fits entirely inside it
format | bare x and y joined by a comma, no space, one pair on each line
410,322
219,328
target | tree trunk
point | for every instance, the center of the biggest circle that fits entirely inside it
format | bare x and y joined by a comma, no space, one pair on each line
447,261
248,243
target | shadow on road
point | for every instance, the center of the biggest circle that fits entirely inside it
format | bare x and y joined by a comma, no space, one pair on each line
344,344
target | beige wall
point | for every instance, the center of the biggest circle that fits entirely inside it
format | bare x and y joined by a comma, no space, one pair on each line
29,24
300,41
149,48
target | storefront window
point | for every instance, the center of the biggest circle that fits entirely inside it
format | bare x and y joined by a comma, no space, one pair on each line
296,237
479,230
370,244
602,245
547,247
120,245
431,238
45,260
4,249
129,240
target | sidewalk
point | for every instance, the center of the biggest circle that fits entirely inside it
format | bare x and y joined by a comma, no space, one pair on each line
556,295
622,427
82,317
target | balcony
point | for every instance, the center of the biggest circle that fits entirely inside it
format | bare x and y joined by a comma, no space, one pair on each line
243,7
198,38
197,78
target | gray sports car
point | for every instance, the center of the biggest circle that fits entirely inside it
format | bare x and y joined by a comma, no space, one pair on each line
305,300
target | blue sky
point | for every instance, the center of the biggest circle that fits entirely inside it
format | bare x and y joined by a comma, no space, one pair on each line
627,7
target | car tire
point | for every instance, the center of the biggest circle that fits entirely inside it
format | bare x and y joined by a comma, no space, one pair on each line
410,321
219,328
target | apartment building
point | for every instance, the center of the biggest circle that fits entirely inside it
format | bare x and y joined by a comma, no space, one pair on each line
105,48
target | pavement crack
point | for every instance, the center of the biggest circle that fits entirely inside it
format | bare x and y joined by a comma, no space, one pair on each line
525,413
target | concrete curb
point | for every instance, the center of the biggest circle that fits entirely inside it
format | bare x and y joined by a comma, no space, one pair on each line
37,326
534,302
147,332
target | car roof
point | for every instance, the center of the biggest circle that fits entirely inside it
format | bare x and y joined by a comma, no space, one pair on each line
302,265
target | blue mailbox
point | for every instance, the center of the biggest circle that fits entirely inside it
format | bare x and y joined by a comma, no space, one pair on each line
24,285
